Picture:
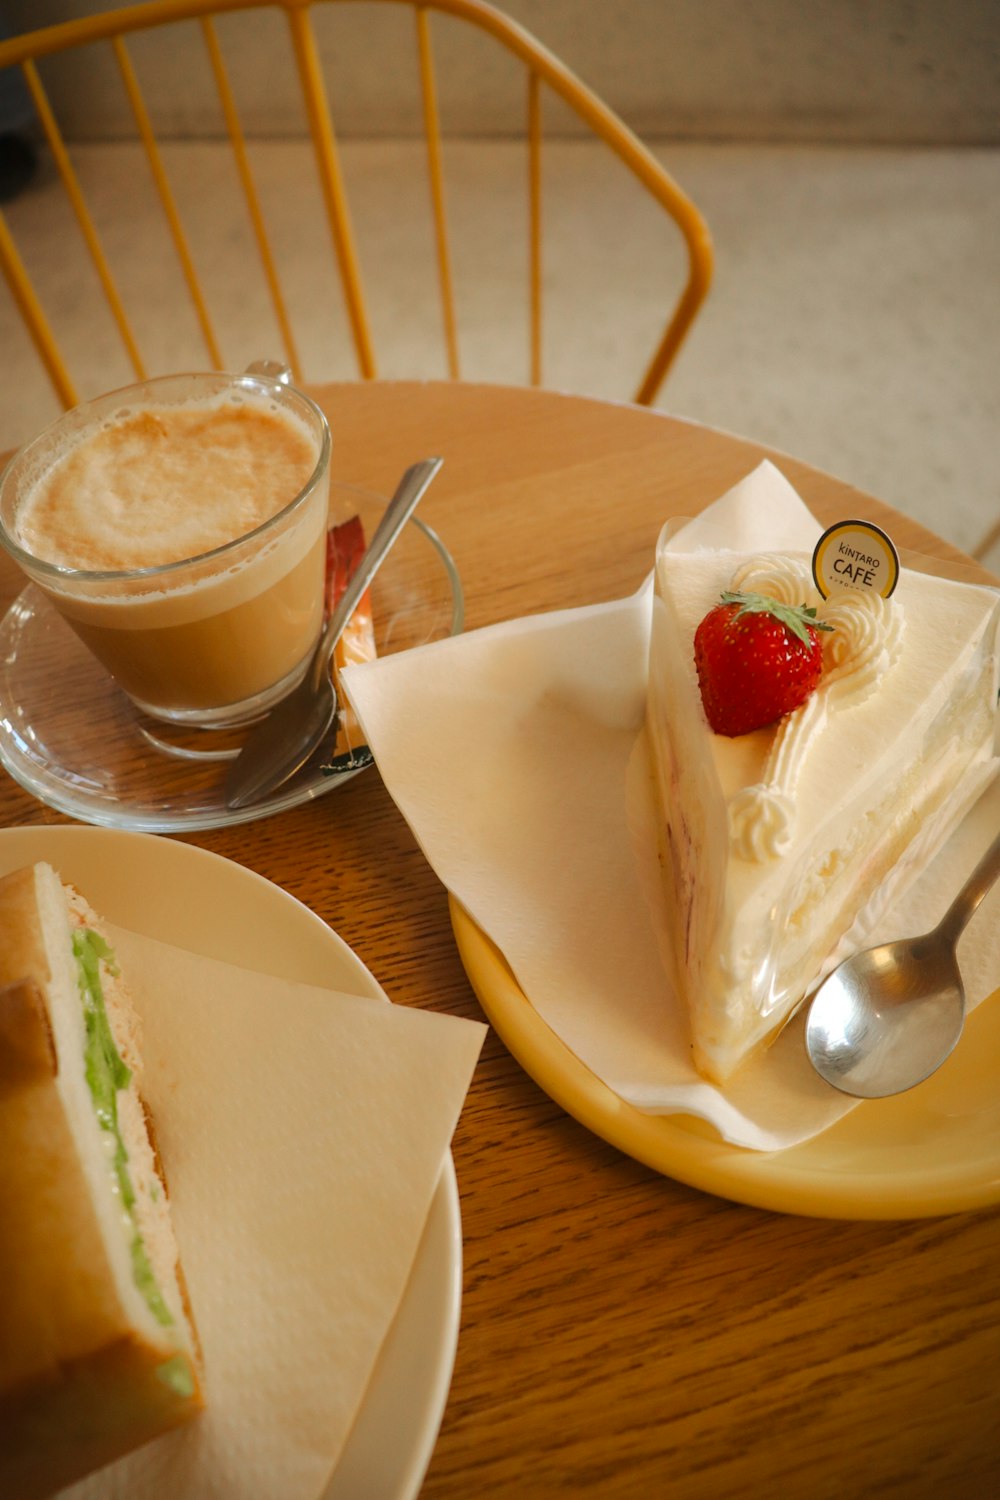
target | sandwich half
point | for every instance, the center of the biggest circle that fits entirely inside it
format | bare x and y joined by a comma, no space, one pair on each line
98,1348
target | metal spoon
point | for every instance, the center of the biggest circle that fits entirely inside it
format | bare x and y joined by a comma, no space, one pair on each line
887,1018
282,742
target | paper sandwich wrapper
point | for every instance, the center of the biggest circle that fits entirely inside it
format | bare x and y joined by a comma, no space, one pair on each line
514,753
303,1132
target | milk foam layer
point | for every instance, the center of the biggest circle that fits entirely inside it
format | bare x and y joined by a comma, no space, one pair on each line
163,483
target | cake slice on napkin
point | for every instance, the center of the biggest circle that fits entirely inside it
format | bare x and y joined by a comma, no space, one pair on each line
792,825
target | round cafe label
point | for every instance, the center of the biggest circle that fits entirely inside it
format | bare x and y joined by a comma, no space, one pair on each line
855,555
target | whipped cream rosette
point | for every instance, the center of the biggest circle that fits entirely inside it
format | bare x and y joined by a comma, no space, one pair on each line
863,642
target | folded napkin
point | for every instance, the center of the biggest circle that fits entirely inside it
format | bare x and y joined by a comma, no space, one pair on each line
515,755
303,1134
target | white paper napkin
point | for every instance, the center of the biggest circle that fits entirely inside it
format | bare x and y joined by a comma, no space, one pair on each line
303,1132
508,752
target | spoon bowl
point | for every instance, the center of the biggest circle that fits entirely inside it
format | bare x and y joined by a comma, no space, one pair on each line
887,1018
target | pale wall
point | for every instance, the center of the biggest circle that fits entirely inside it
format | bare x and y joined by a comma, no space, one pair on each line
886,71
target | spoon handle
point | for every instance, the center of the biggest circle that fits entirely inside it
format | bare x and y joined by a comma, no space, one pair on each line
402,505
956,918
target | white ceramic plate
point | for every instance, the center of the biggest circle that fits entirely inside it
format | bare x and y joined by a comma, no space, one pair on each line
199,901
70,736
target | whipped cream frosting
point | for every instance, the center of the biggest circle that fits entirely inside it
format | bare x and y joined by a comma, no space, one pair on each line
862,645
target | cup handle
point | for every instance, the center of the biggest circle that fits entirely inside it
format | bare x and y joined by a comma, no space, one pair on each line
273,369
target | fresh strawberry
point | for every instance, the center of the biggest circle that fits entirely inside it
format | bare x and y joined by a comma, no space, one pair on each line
757,660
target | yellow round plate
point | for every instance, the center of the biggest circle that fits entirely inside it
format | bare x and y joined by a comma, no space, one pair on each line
935,1150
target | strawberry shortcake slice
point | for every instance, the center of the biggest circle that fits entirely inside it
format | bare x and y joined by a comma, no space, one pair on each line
811,755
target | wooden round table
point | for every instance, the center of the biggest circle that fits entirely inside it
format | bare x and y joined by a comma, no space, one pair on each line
622,1334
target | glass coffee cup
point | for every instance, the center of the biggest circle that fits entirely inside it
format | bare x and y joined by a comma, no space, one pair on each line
179,527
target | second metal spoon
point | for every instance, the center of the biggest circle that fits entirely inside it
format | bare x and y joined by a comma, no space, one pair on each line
887,1018
282,742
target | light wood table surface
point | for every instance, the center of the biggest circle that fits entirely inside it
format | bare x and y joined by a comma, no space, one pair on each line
624,1335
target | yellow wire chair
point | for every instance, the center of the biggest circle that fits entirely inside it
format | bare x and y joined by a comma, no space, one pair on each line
116,30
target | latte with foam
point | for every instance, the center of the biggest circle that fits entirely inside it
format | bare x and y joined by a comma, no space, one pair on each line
163,484
180,528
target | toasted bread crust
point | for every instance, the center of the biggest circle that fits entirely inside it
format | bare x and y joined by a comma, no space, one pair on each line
78,1377
23,957
83,1414
27,1046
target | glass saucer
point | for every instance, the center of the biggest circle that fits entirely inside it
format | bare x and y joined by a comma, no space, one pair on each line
69,735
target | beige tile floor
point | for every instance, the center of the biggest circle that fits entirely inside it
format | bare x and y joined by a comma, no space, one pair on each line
854,319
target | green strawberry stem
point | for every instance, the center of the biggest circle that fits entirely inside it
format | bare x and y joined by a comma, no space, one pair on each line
794,617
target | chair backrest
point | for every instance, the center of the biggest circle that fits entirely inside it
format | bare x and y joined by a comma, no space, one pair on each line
101,238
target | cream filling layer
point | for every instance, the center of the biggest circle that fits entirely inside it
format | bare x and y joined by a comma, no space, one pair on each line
847,878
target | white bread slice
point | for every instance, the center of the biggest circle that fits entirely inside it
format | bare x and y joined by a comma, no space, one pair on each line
98,1350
